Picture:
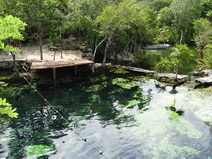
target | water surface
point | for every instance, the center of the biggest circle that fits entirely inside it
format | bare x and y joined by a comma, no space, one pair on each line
126,116
149,58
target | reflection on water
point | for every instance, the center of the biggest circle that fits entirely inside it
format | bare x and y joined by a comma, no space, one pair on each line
149,58
125,116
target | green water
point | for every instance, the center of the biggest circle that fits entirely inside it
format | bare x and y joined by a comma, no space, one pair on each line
150,58
127,116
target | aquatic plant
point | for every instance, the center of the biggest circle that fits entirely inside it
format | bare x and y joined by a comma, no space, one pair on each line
161,124
132,103
94,97
119,71
124,83
173,115
166,148
206,62
94,88
99,78
34,151
120,116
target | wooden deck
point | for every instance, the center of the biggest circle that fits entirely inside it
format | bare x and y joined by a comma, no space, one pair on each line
52,64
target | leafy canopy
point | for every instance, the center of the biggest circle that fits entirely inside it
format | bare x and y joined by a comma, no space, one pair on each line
10,28
5,108
178,53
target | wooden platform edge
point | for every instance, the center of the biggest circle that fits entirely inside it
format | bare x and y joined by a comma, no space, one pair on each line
50,64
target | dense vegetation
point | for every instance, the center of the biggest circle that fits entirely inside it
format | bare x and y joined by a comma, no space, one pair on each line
116,26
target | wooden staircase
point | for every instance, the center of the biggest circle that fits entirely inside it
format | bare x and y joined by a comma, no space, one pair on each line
26,67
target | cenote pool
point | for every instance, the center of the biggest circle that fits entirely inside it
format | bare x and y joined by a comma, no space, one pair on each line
150,58
126,116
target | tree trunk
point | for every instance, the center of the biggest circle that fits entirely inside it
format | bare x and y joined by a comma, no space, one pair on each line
181,37
61,50
40,41
201,54
14,62
94,54
109,41
126,48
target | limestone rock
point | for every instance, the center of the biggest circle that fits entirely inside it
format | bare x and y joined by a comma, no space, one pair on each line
207,72
204,81
140,70
171,78
88,55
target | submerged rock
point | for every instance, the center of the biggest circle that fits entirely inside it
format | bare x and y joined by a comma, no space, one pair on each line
202,78
204,81
171,78
207,72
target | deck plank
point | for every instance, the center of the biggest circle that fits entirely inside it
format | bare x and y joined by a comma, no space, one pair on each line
49,64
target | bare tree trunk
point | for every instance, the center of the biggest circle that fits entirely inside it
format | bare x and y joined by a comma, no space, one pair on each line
135,45
94,54
106,49
201,54
14,62
61,50
20,46
127,45
40,41
181,37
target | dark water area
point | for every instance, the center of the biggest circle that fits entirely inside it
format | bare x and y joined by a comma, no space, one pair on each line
124,115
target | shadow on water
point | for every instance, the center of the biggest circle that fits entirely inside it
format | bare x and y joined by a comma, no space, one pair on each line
124,115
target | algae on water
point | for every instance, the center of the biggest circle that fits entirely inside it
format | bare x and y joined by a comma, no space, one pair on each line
162,129
132,103
119,71
35,151
166,149
124,83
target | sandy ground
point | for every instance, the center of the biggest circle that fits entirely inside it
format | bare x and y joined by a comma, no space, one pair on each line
33,53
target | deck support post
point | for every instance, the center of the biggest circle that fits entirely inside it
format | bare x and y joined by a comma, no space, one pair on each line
75,70
54,76
93,68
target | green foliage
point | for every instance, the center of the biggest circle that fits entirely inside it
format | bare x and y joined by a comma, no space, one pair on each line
160,4
174,61
94,97
10,28
163,65
166,35
6,109
35,151
126,24
3,84
202,34
203,30
185,12
206,62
